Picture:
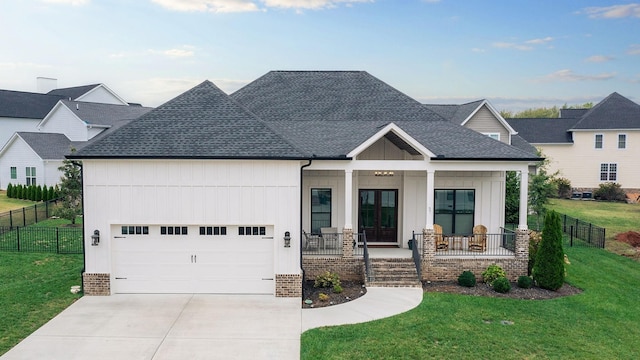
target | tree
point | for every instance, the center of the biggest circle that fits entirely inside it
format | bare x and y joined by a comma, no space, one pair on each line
9,190
512,198
543,112
70,190
541,188
548,271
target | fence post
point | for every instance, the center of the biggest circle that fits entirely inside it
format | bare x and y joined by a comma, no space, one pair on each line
24,217
35,212
57,240
571,237
18,236
46,208
10,218
589,233
564,223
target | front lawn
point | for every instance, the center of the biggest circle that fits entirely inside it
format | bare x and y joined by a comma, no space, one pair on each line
34,288
7,204
600,323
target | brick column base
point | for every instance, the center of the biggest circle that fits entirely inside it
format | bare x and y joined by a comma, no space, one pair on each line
96,284
347,243
289,285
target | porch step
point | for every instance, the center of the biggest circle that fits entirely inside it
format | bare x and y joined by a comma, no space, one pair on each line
393,272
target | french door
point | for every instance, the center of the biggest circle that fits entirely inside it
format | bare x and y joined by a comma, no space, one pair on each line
379,215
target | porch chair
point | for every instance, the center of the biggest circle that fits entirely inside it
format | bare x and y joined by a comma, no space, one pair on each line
329,237
442,243
311,241
478,242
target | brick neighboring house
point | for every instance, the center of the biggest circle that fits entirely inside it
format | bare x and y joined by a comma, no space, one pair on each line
298,170
590,146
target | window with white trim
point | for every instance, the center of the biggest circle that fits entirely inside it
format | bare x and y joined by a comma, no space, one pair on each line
31,175
320,209
622,141
495,136
599,140
608,172
14,172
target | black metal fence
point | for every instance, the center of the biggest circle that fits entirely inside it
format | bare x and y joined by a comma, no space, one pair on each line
28,215
582,233
41,239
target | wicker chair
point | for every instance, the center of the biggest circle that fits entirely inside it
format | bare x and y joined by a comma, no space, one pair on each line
478,242
442,243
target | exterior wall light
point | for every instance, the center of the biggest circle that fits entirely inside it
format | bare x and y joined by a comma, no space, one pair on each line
383,173
287,239
95,238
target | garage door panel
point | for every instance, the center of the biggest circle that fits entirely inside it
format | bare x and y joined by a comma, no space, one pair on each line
193,264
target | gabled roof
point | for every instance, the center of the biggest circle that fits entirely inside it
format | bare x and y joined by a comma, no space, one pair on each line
522,144
48,146
458,114
98,114
73,92
330,113
615,112
572,113
26,105
203,122
543,130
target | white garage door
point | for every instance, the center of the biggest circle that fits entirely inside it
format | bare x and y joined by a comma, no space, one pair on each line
158,262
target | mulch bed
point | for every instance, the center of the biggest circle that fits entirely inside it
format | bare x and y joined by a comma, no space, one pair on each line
351,290
482,289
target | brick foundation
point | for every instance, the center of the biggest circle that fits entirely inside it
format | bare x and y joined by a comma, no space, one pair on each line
448,269
96,284
289,285
346,268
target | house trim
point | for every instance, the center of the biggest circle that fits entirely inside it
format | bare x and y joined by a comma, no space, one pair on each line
106,88
396,130
495,113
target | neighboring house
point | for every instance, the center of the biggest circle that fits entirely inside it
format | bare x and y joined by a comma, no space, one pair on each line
590,147
211,193
57,122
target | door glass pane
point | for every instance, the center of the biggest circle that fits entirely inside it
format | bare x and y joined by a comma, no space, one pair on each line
388,209
367,208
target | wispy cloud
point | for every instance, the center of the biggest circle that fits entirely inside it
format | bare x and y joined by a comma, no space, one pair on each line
230,6
634,49
183,52
67,2
526,45
599,58
567,75
478,50
613,12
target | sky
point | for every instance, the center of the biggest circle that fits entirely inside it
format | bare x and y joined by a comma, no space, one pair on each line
517,54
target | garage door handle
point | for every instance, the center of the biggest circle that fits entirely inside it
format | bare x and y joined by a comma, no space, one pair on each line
195,258
191,258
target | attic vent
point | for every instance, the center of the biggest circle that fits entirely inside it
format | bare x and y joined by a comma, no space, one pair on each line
77,106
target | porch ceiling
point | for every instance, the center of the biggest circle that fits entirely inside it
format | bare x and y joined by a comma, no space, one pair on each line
400,143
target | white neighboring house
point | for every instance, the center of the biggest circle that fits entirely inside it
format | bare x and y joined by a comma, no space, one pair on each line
593,146
34,158
212,193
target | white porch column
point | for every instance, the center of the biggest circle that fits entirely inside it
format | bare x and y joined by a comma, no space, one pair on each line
430,198
524,197
348,199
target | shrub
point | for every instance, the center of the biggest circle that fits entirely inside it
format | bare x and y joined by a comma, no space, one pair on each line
548,270
493,272
534,244
323,297
467,278
525,282
327,280
611,192
337,288
564,187
9,189
501,285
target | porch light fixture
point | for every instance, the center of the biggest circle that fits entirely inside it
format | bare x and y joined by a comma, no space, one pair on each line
95,238
287,239
383,173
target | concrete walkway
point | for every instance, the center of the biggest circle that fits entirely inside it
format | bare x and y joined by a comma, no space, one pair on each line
377,303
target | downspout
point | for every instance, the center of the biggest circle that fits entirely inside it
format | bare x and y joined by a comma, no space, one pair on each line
300,233
84,253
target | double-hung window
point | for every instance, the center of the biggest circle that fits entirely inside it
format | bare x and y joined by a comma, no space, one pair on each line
608,172
14,173
622,141
320,209
599,141
31,175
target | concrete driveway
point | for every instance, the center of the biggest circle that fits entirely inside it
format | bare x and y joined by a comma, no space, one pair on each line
159,327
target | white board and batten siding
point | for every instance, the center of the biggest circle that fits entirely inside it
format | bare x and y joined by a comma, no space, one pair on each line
194,194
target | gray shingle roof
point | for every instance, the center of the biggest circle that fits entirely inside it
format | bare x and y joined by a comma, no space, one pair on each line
49,146
73,92
614,112
541,131
330,113
455,113
572,113
26,105
203,122
522,144
104,114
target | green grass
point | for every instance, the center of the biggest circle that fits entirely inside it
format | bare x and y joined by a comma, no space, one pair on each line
33,289
613,216
59,222
7,204
600,323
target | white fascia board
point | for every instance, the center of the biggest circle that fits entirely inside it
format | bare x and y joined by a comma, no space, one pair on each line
480,165
391,127
602,130
394,165
7,145
106,88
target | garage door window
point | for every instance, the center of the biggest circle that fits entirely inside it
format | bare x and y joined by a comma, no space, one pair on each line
173,230
135,230
252,230
213,230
